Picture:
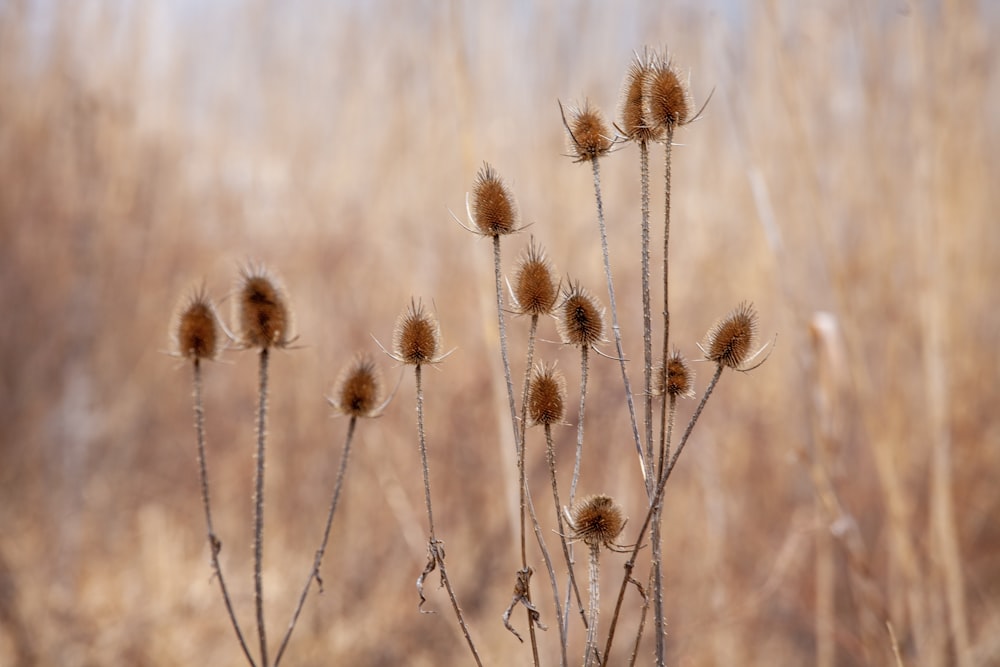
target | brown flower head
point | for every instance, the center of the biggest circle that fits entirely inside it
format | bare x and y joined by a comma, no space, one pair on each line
580,319
358,390
588,133
597,521
196,331
493,209
535,289
675,378
546,396
262,316
416,339
730,341
633,112
665,98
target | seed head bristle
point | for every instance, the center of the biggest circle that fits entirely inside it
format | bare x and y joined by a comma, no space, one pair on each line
196,331
666,100
535,288
730,341
358,390
580,320
546,396
262,316
597,521
589,134
417,337
675,378
633,113
494,211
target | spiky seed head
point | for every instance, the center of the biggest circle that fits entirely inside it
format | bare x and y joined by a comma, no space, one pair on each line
494,210
633,112
417,336
589,134
262,315
674,378
196,331
535,288
546,395
597,521
666,100
580,317
358,390
730,341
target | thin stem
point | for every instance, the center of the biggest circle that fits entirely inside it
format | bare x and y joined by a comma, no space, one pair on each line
258,523
213,542
614,316
552,576
667,426
519,439
647,324
657,498
434,545
579,425
318,561
550,455
591,656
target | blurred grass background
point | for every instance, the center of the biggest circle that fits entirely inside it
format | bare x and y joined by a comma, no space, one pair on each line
847,164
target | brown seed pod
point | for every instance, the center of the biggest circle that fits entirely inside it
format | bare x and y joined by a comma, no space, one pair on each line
535,289
196,331
417,336
588,133
358,390
676,380
493,209
580,319
666,101
730,341
546,396
597,521
262,315
633,112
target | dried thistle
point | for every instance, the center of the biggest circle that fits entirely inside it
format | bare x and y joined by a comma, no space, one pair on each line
547,396
588,133
535,289
358,390
416,339
675,378
666,102
633,113
261,312
196,331
493,209
581,317
597,521
730,341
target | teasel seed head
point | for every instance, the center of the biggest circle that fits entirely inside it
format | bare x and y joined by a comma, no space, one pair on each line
730,341
535,289
546,395
196,331
633,111
493,209
666,102
358,390
580,317
416,339
674,378
597,521
588,133
262,315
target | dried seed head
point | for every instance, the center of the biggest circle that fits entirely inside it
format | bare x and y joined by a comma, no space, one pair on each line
546,396
262,315
589,134
675,378
597,521
633,101
196,331
581,317
666,100
417,337
358,390
494,211
535,289
730,341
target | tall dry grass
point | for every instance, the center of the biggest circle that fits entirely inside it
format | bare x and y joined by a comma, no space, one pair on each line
846,164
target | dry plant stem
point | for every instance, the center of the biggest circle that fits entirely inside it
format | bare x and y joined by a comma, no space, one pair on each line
552,575
659,622
434,545
643,612
591,656
258,522
213,542
579,426
657,499
647,324
614,317
318,561
550,455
